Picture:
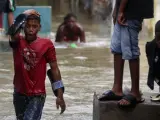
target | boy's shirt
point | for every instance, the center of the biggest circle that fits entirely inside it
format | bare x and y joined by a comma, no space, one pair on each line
30,65
137,9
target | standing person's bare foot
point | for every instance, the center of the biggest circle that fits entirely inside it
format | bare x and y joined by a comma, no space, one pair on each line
130,101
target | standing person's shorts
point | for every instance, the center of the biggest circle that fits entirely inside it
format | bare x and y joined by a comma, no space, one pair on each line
125,39
7,6
28,107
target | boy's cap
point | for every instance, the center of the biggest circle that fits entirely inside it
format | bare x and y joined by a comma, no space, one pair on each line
31,12
157,26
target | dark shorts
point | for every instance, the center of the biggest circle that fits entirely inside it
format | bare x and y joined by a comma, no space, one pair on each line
28,107
7,6
125,39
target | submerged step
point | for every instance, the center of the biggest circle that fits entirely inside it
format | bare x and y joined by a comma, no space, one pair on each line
109,110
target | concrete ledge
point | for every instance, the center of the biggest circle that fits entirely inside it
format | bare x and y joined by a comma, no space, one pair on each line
109,110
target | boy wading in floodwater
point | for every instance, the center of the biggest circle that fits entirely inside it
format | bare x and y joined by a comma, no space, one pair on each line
31,54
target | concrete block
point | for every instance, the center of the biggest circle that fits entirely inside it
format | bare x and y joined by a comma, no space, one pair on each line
109,110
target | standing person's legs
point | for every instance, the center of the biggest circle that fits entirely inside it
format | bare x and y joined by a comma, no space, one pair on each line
116,49
131,52
134,71
134,62
118,74
116,92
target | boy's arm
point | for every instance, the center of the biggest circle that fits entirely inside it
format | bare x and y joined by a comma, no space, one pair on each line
15,28
59,35
121,17
55,76
81,33
14,35
82,36
14,38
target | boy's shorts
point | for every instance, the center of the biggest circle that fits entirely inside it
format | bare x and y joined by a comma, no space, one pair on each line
7,6
125,39
28,107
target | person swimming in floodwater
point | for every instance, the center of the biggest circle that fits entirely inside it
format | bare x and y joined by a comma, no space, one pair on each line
70,30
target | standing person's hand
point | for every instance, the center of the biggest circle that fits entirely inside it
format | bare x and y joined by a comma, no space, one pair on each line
121,19
60,103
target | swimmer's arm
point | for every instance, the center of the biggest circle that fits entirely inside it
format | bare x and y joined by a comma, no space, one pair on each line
82,35
59,35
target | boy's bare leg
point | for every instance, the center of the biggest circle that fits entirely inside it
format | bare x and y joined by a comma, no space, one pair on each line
134,70
118,74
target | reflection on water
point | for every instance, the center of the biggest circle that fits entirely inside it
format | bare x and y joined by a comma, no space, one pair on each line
86,69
